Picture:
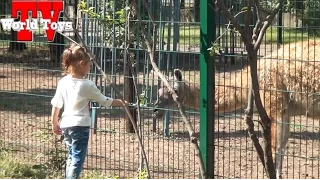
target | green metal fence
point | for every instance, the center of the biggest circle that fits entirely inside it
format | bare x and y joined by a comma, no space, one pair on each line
291,41
29,77
29,74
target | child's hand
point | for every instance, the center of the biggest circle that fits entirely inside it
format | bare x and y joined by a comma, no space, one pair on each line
119,103
56,129
126,103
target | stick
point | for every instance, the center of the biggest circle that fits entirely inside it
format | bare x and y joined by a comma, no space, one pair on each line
134,82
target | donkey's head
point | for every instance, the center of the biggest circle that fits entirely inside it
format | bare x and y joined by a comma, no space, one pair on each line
165,99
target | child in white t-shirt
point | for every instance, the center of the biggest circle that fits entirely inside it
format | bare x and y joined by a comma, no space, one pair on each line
74,93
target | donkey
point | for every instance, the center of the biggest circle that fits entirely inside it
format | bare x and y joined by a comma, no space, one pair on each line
288,87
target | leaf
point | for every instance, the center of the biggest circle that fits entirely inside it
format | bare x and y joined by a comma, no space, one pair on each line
244,9
91,8
120,12
127,8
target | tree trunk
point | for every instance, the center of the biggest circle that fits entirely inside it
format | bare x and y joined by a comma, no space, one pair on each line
75,15
129,96
14,45
57,46
266,121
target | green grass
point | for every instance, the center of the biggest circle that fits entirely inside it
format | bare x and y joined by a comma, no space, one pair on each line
190,35
12,167
289,35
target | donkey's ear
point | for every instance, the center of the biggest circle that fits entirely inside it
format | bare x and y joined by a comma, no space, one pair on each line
178,74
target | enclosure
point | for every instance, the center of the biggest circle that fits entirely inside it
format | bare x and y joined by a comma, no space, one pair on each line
29,73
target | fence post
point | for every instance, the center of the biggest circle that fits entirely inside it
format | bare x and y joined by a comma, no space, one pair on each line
207,35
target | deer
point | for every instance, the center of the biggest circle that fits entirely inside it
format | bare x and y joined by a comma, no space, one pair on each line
288,84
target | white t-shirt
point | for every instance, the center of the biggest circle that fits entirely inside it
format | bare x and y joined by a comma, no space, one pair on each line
74,94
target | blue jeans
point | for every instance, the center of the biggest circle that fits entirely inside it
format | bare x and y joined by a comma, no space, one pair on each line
76,139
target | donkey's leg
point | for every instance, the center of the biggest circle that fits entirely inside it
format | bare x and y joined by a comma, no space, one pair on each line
280,116
283,132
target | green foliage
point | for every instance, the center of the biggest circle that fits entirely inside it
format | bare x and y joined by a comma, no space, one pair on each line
214,49
56,155
111,19
311,16
308,11
142,174
12,167
143,98
97,175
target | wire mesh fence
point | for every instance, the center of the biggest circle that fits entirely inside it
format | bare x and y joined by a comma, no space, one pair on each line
30,72
287,69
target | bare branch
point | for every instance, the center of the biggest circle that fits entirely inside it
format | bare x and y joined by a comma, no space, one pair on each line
266,24
231,18
126,108
151,50
258,10
228,26
275,11
256,31
248,16
248,119
134,80
266,11
148,10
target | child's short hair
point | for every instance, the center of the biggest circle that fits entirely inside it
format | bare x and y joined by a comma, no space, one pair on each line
72,55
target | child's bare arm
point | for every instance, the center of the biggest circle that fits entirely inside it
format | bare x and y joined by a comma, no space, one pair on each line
54,115
118,103
54,120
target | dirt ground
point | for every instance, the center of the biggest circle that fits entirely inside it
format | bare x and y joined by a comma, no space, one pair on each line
25,127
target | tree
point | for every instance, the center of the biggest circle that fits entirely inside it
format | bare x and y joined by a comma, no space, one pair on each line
57,46
104,15
14,44
252,44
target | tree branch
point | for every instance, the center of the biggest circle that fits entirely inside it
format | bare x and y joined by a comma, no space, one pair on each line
250,127
151,50
248,16
232,19
228,26
258,10
260,19
127,52
266,24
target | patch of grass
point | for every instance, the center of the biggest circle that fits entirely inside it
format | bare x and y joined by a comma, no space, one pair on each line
190,35
11,167
97,175
289,35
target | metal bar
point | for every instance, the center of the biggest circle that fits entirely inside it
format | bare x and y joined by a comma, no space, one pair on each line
207,79
280,28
